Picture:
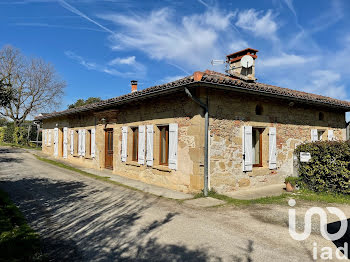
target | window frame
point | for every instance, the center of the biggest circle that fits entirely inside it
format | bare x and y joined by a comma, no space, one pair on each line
261,130
135,154
166,145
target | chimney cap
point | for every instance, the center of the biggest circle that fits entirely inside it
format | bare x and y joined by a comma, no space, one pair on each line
242,52
133,82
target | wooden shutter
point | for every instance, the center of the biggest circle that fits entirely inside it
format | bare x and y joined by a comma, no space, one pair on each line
93,142
141,145
124,143
173,137
330,135
272,148
72,142
247,148
83,142
55,141
65,142
149,143
314,135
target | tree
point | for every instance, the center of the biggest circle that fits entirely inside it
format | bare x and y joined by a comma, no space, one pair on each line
82,102
35,83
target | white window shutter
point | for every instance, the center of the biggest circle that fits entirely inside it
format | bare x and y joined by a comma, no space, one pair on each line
124,143
173,137
65,142
93,142
330,135
83,142
149,143
72,142
55,141
79,142
247,148
314,135
141,145
272,148
49,138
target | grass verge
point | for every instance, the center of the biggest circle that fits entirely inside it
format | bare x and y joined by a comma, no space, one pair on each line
19,146
305,195
18,242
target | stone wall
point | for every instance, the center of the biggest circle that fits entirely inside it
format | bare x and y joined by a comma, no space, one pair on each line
160,111
229,112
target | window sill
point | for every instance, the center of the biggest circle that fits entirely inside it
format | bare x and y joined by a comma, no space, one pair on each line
132,163
89,157
162,168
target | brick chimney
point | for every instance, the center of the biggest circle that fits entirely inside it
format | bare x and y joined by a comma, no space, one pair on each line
133,86
235,67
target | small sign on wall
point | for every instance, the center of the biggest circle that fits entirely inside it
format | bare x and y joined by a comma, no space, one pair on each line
305,157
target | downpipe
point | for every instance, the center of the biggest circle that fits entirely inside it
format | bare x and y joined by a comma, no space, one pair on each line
206,156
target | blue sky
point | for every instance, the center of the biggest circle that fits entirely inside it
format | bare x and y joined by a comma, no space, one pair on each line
98,46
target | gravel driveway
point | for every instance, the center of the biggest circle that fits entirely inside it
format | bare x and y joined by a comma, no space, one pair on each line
82,219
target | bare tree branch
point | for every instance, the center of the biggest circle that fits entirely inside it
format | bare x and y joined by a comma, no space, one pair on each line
36,85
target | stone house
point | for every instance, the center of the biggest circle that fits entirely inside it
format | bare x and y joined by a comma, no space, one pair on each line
157,135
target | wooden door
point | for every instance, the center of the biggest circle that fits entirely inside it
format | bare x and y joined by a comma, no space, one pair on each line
109,149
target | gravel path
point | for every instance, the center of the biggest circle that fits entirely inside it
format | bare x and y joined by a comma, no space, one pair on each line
82,219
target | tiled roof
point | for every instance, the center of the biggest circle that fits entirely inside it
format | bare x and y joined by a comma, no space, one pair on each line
210,78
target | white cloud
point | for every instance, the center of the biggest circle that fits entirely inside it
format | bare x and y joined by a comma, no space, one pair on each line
193,42
134,69
258,23
326,82
285,60
124,61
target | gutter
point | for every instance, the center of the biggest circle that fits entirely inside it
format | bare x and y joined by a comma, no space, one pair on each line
206,155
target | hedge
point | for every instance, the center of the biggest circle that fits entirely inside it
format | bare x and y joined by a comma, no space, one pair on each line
329,167
17,135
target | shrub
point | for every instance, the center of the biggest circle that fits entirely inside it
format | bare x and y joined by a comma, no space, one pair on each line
292,180
2,133
329,167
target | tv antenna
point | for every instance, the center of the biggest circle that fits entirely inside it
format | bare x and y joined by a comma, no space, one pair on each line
217,62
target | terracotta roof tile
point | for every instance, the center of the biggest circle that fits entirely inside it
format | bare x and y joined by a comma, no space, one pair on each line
208,77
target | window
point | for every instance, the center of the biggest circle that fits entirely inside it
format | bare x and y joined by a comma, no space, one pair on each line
76,142
88,143
320,134
320,116
257,147
258,110
164,145
135,142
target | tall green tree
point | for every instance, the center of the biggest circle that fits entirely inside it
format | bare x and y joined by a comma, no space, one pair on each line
6,93
82,102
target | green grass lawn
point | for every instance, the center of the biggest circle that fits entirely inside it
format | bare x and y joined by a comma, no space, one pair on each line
18,242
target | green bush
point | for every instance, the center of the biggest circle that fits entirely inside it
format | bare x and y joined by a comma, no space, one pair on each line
329,167
2,133
294,181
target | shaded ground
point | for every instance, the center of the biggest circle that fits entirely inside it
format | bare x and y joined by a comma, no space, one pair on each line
82,219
